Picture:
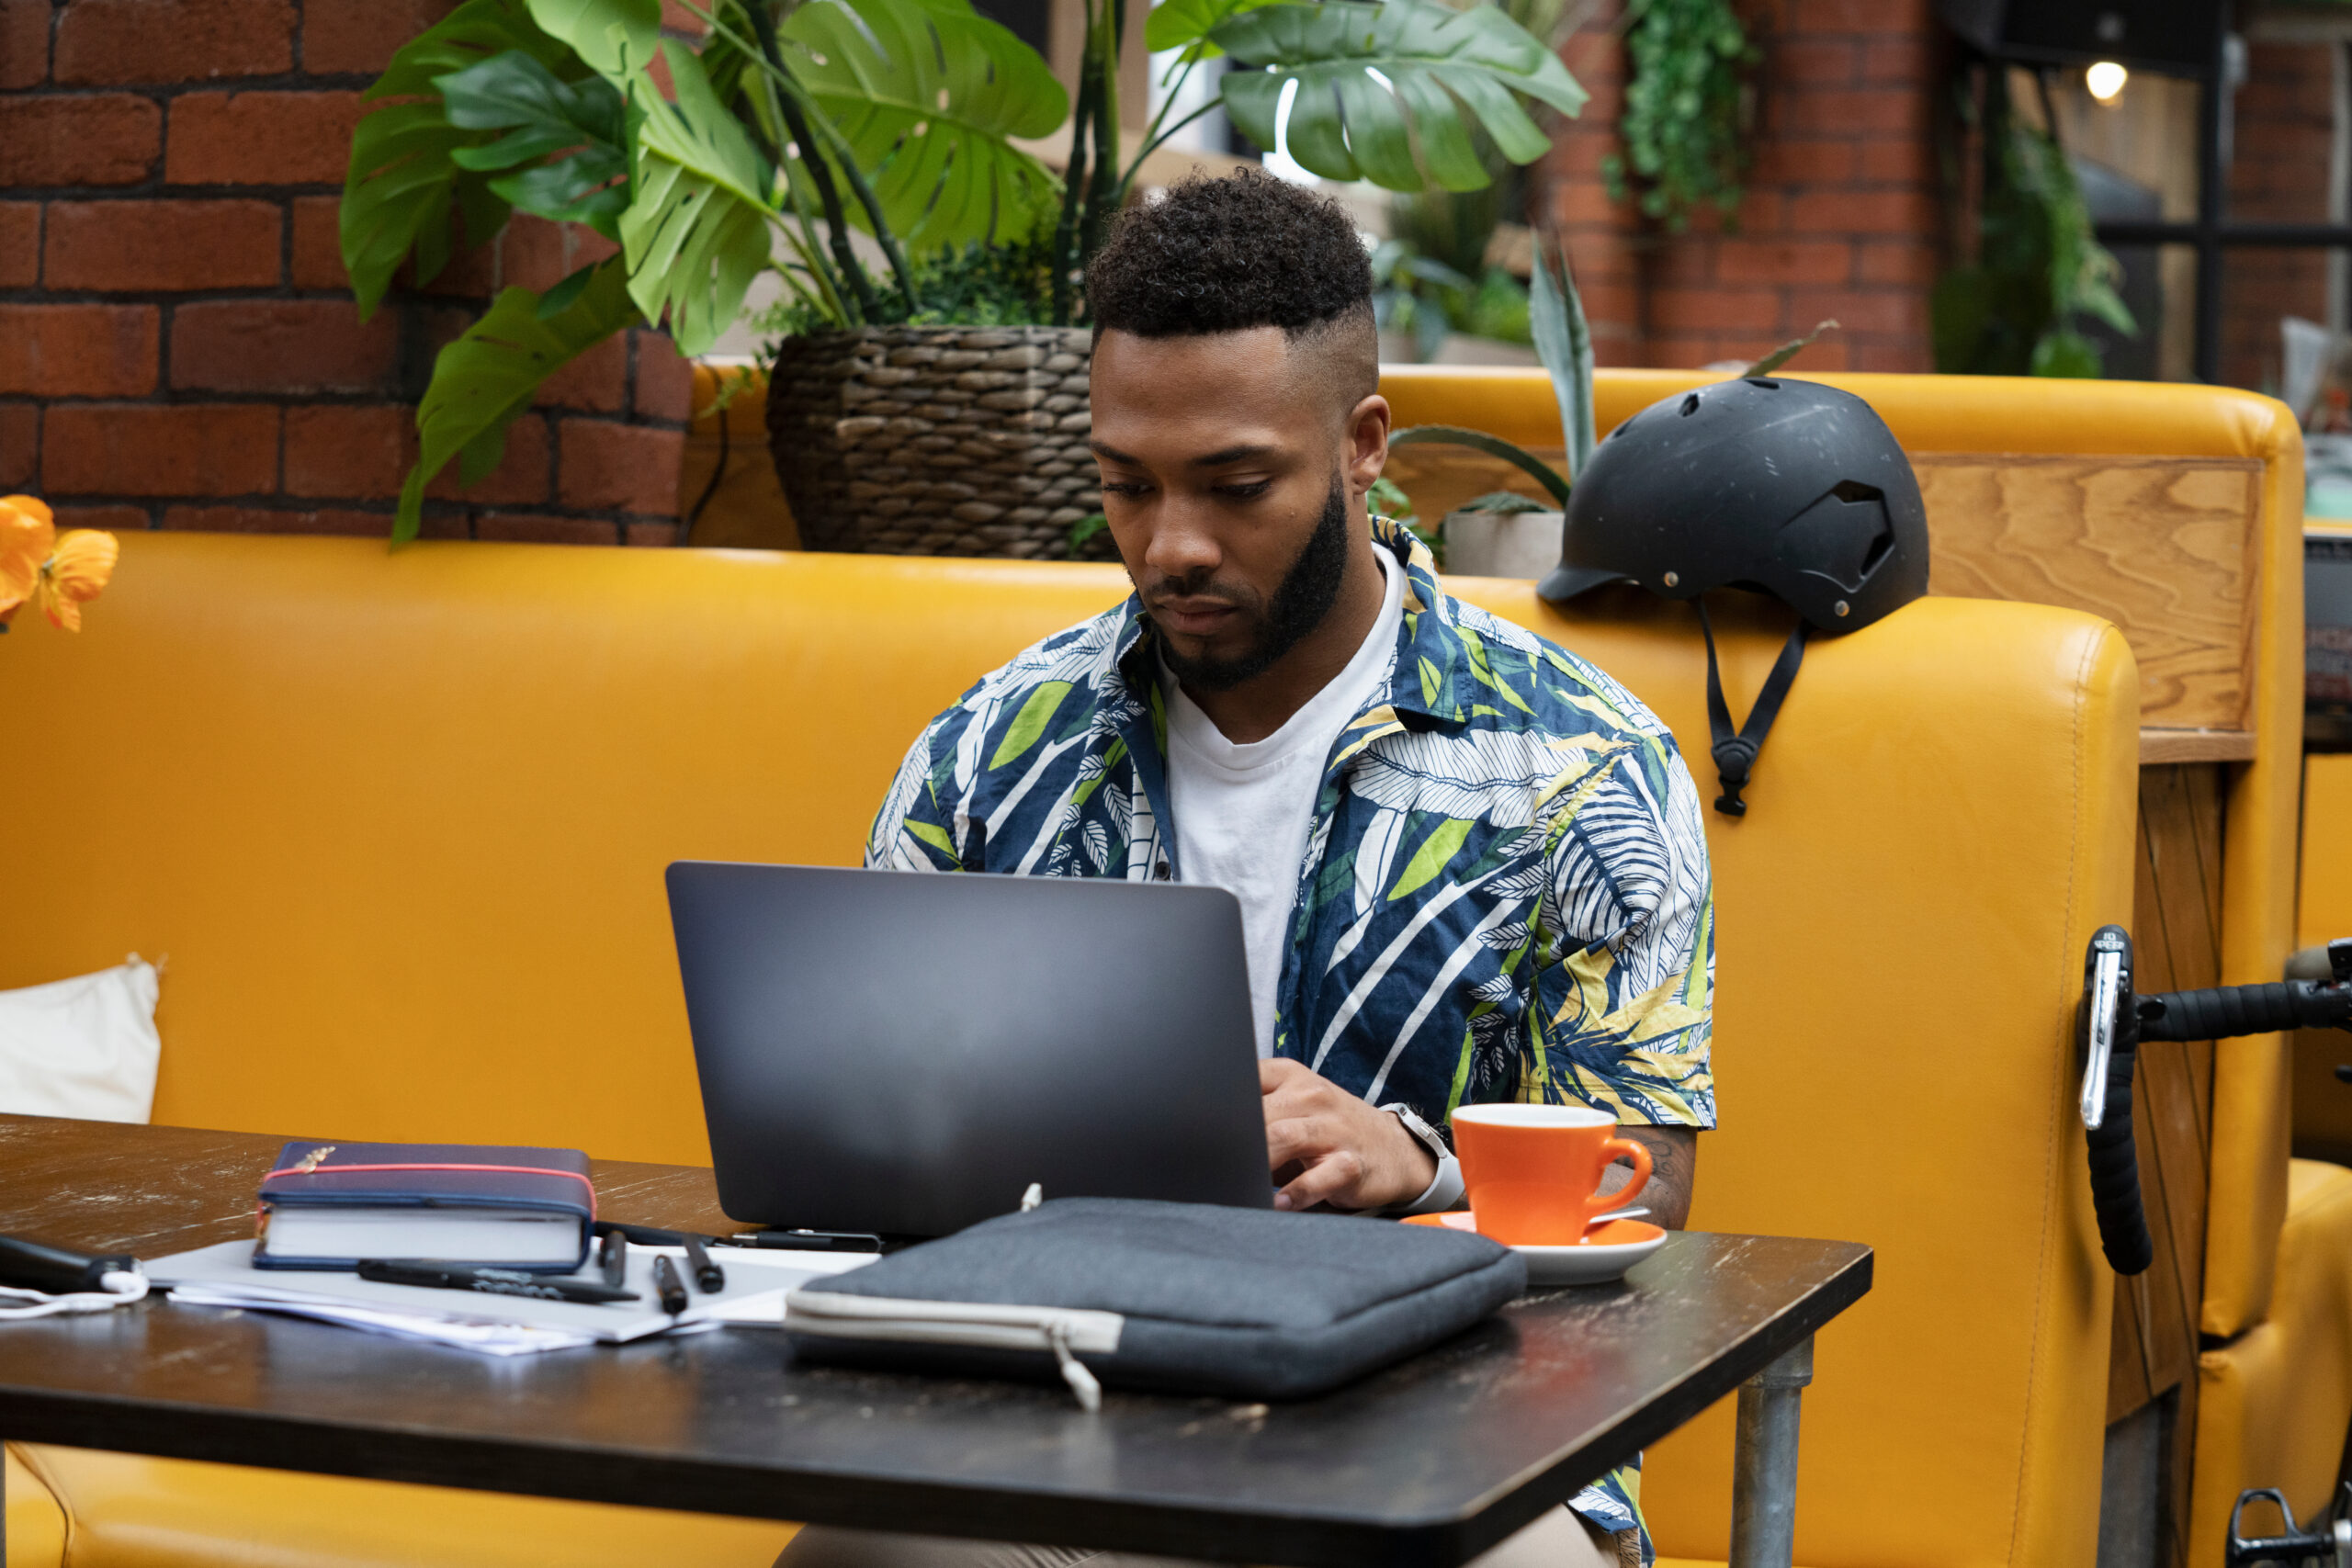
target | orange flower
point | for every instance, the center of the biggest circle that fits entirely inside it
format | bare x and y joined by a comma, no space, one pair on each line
28,533
75,574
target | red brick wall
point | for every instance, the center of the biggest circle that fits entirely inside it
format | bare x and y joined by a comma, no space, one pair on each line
2281,153
1841,213
178,344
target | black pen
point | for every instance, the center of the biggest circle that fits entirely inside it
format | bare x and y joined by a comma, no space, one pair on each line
613,1258
708,1275
490,1281
803,1241
673,1289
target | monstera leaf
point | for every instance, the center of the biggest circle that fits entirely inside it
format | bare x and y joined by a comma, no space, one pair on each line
615,37
404,175
1180,24
1384,89
926,95
564,144
697,230
487,376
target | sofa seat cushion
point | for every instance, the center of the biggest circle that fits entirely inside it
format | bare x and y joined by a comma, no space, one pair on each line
36,1525
2273,1403
129,1511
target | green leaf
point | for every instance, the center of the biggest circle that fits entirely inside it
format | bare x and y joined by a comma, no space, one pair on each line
1435,855
482,381
1790,350
580,126
2064,352
1439,70
1494,446
615,37
559,299
928,98
1030,722
403,176
1564,342
695,234
1178,24
932,833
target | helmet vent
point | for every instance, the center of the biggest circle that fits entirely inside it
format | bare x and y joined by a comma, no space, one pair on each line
1690,405
1769,385
1854,490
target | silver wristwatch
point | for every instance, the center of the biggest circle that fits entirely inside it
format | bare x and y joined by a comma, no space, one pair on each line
1432,1139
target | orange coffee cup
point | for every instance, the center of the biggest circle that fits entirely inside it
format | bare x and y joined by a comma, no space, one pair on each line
1532,1172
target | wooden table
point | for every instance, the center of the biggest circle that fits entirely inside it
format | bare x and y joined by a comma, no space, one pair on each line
1422,1466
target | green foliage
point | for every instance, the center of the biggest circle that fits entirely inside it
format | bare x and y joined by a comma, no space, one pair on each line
796,119
925,94
1388,498
1084,531
2038,266
1438,64
1790,350
974,285
1415,293
1687,61
482,381
1564,341
403,183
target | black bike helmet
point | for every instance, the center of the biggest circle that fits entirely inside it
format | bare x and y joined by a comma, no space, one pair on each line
1788,488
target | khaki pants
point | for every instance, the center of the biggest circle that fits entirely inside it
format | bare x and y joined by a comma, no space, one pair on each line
1558,1540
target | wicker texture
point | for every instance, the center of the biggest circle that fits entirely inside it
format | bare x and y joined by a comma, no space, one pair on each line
941,441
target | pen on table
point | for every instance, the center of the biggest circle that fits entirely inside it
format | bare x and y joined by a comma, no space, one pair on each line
708,1275
489,1282
612,1257
671,1289
803,1241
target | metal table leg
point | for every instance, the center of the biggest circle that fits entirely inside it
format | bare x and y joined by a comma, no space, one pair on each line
1764,1462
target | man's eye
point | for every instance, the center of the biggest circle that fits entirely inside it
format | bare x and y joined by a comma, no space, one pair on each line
1124,487
1248,491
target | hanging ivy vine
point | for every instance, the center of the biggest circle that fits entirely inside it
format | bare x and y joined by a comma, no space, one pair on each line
1687,80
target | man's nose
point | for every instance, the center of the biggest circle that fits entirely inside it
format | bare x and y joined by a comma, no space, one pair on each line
1184,540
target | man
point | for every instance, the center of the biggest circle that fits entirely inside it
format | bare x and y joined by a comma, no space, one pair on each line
1470,865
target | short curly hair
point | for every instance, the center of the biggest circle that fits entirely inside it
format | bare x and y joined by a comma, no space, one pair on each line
1223,255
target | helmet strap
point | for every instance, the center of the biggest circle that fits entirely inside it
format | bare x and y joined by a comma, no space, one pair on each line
1736,751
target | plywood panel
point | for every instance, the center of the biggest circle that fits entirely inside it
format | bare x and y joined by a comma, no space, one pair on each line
2163,546
2176,929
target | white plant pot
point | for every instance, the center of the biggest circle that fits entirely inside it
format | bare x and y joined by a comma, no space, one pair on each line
1481,544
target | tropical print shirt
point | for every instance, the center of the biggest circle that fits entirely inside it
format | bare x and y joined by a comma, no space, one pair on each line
1505,893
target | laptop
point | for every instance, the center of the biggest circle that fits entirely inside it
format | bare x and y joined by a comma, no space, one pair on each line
905,1053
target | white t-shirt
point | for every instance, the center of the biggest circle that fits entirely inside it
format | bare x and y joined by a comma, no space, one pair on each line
1243,812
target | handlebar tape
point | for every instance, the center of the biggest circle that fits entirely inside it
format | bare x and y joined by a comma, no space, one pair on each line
2115,1174
2229,1010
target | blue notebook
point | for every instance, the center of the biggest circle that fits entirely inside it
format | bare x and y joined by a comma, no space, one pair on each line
329,1205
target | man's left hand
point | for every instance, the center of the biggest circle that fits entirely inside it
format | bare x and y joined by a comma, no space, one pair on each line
1329,1147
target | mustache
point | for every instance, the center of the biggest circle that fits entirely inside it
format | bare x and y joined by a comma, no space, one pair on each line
1202,585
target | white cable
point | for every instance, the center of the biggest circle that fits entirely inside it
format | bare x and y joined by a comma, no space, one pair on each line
122,1288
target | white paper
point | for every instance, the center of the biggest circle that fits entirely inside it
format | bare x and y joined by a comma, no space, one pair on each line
757,1282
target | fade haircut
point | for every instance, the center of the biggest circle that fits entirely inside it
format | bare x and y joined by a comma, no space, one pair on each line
1224,256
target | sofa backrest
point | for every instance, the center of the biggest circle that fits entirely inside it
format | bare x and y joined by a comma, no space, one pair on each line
398,821
2172,511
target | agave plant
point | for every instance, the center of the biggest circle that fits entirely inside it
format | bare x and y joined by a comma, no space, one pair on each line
795,121
1563,343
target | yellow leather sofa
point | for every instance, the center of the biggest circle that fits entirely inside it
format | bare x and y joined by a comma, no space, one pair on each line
399,822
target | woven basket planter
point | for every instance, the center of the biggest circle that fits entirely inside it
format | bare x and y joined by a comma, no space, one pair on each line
935,441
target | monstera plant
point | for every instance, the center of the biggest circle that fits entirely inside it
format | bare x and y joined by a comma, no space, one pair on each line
792,122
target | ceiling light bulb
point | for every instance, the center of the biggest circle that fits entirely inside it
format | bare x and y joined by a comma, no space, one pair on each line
2106,80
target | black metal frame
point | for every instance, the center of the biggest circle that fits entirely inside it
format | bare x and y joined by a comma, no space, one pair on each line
2211,232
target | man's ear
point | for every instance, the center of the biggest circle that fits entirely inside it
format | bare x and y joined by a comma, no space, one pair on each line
1367,443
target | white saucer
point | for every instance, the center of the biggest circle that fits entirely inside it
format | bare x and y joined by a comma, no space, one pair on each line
1605,1253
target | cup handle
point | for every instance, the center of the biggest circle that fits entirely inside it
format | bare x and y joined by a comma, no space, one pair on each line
1623,1196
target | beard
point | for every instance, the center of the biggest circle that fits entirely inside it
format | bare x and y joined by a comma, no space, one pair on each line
1305,596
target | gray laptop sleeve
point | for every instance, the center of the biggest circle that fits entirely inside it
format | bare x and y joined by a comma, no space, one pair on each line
1180,1298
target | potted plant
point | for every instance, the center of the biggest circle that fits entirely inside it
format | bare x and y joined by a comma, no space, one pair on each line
793,124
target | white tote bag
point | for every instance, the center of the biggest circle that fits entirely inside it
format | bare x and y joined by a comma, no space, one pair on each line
83,1047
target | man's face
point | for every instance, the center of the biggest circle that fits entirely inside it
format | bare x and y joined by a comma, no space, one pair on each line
1227,477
